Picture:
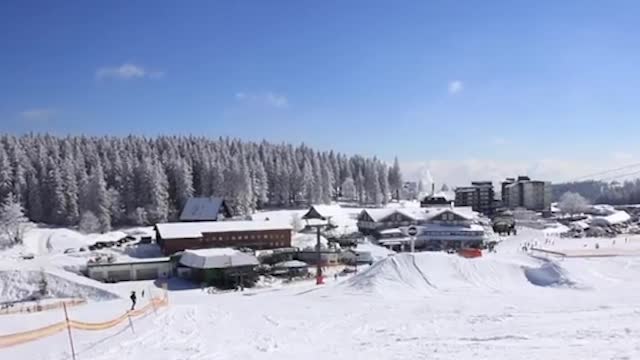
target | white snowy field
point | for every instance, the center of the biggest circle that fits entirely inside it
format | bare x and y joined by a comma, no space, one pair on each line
505,305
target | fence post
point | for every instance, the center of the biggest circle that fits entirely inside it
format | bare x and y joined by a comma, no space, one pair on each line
153,302
130,322
165,293
66,319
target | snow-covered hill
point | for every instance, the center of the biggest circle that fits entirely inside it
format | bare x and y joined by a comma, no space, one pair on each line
505,305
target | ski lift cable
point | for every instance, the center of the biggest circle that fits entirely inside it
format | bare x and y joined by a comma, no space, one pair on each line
605,172
620,176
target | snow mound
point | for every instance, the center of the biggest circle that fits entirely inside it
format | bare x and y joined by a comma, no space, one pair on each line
23,285
307,240
397,273
377,252
548,274
426,273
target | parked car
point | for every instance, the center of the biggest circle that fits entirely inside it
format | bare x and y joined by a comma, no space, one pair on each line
28,256
69,250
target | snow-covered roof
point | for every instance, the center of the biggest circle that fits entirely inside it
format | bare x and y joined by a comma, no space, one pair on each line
323,211
464,212
421,213
390,231
203,209
447,195
379,214
440,227
615,218
415,213
291,264
192,230
216,258
130,261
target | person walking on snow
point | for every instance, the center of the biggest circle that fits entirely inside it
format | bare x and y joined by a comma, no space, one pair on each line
133,300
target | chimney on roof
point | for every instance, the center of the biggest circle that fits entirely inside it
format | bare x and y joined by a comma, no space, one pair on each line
433,188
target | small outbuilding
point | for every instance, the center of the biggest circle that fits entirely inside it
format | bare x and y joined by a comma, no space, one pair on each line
322,212
225,267
142,269
291,268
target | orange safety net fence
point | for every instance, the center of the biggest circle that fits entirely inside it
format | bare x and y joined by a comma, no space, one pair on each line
40,307
35,334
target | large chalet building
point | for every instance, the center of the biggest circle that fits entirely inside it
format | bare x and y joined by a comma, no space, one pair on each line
438,227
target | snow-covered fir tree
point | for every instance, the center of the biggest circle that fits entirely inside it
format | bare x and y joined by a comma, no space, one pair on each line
99,198
137,180
349,189
5,176
395,179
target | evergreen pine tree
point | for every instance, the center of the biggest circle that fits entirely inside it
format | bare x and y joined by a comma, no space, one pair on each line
71,192
55,199
349,189
383,178
5,175
395,179
35,211
99,196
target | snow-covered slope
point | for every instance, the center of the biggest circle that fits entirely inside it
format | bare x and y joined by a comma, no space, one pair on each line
428,273
21,285
505,305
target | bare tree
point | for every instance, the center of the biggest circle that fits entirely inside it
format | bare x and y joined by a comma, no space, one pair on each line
573,203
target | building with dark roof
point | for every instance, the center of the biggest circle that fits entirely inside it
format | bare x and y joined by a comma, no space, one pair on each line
205,209
439,199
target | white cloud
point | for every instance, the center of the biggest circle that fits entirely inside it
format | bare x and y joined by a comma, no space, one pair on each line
127,71
269,98
36,114
498,140
622,156
455,87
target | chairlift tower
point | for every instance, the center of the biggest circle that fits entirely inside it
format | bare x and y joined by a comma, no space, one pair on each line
319,228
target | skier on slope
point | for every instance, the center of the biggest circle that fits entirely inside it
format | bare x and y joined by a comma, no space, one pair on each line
133,300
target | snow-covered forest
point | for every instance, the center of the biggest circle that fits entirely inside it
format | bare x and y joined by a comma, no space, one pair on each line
601,192
136,180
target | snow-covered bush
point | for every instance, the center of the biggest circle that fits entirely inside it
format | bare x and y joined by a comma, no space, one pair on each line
89,223
138,216
296,223
573,203
13,223
349,189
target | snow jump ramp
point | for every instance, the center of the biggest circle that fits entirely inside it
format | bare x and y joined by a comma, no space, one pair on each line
428,273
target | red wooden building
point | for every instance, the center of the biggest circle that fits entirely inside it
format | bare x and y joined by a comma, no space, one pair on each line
257,235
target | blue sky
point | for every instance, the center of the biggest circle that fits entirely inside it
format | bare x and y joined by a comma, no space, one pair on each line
493,83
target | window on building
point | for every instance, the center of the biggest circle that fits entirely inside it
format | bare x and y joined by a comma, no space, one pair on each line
233,238
246,237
